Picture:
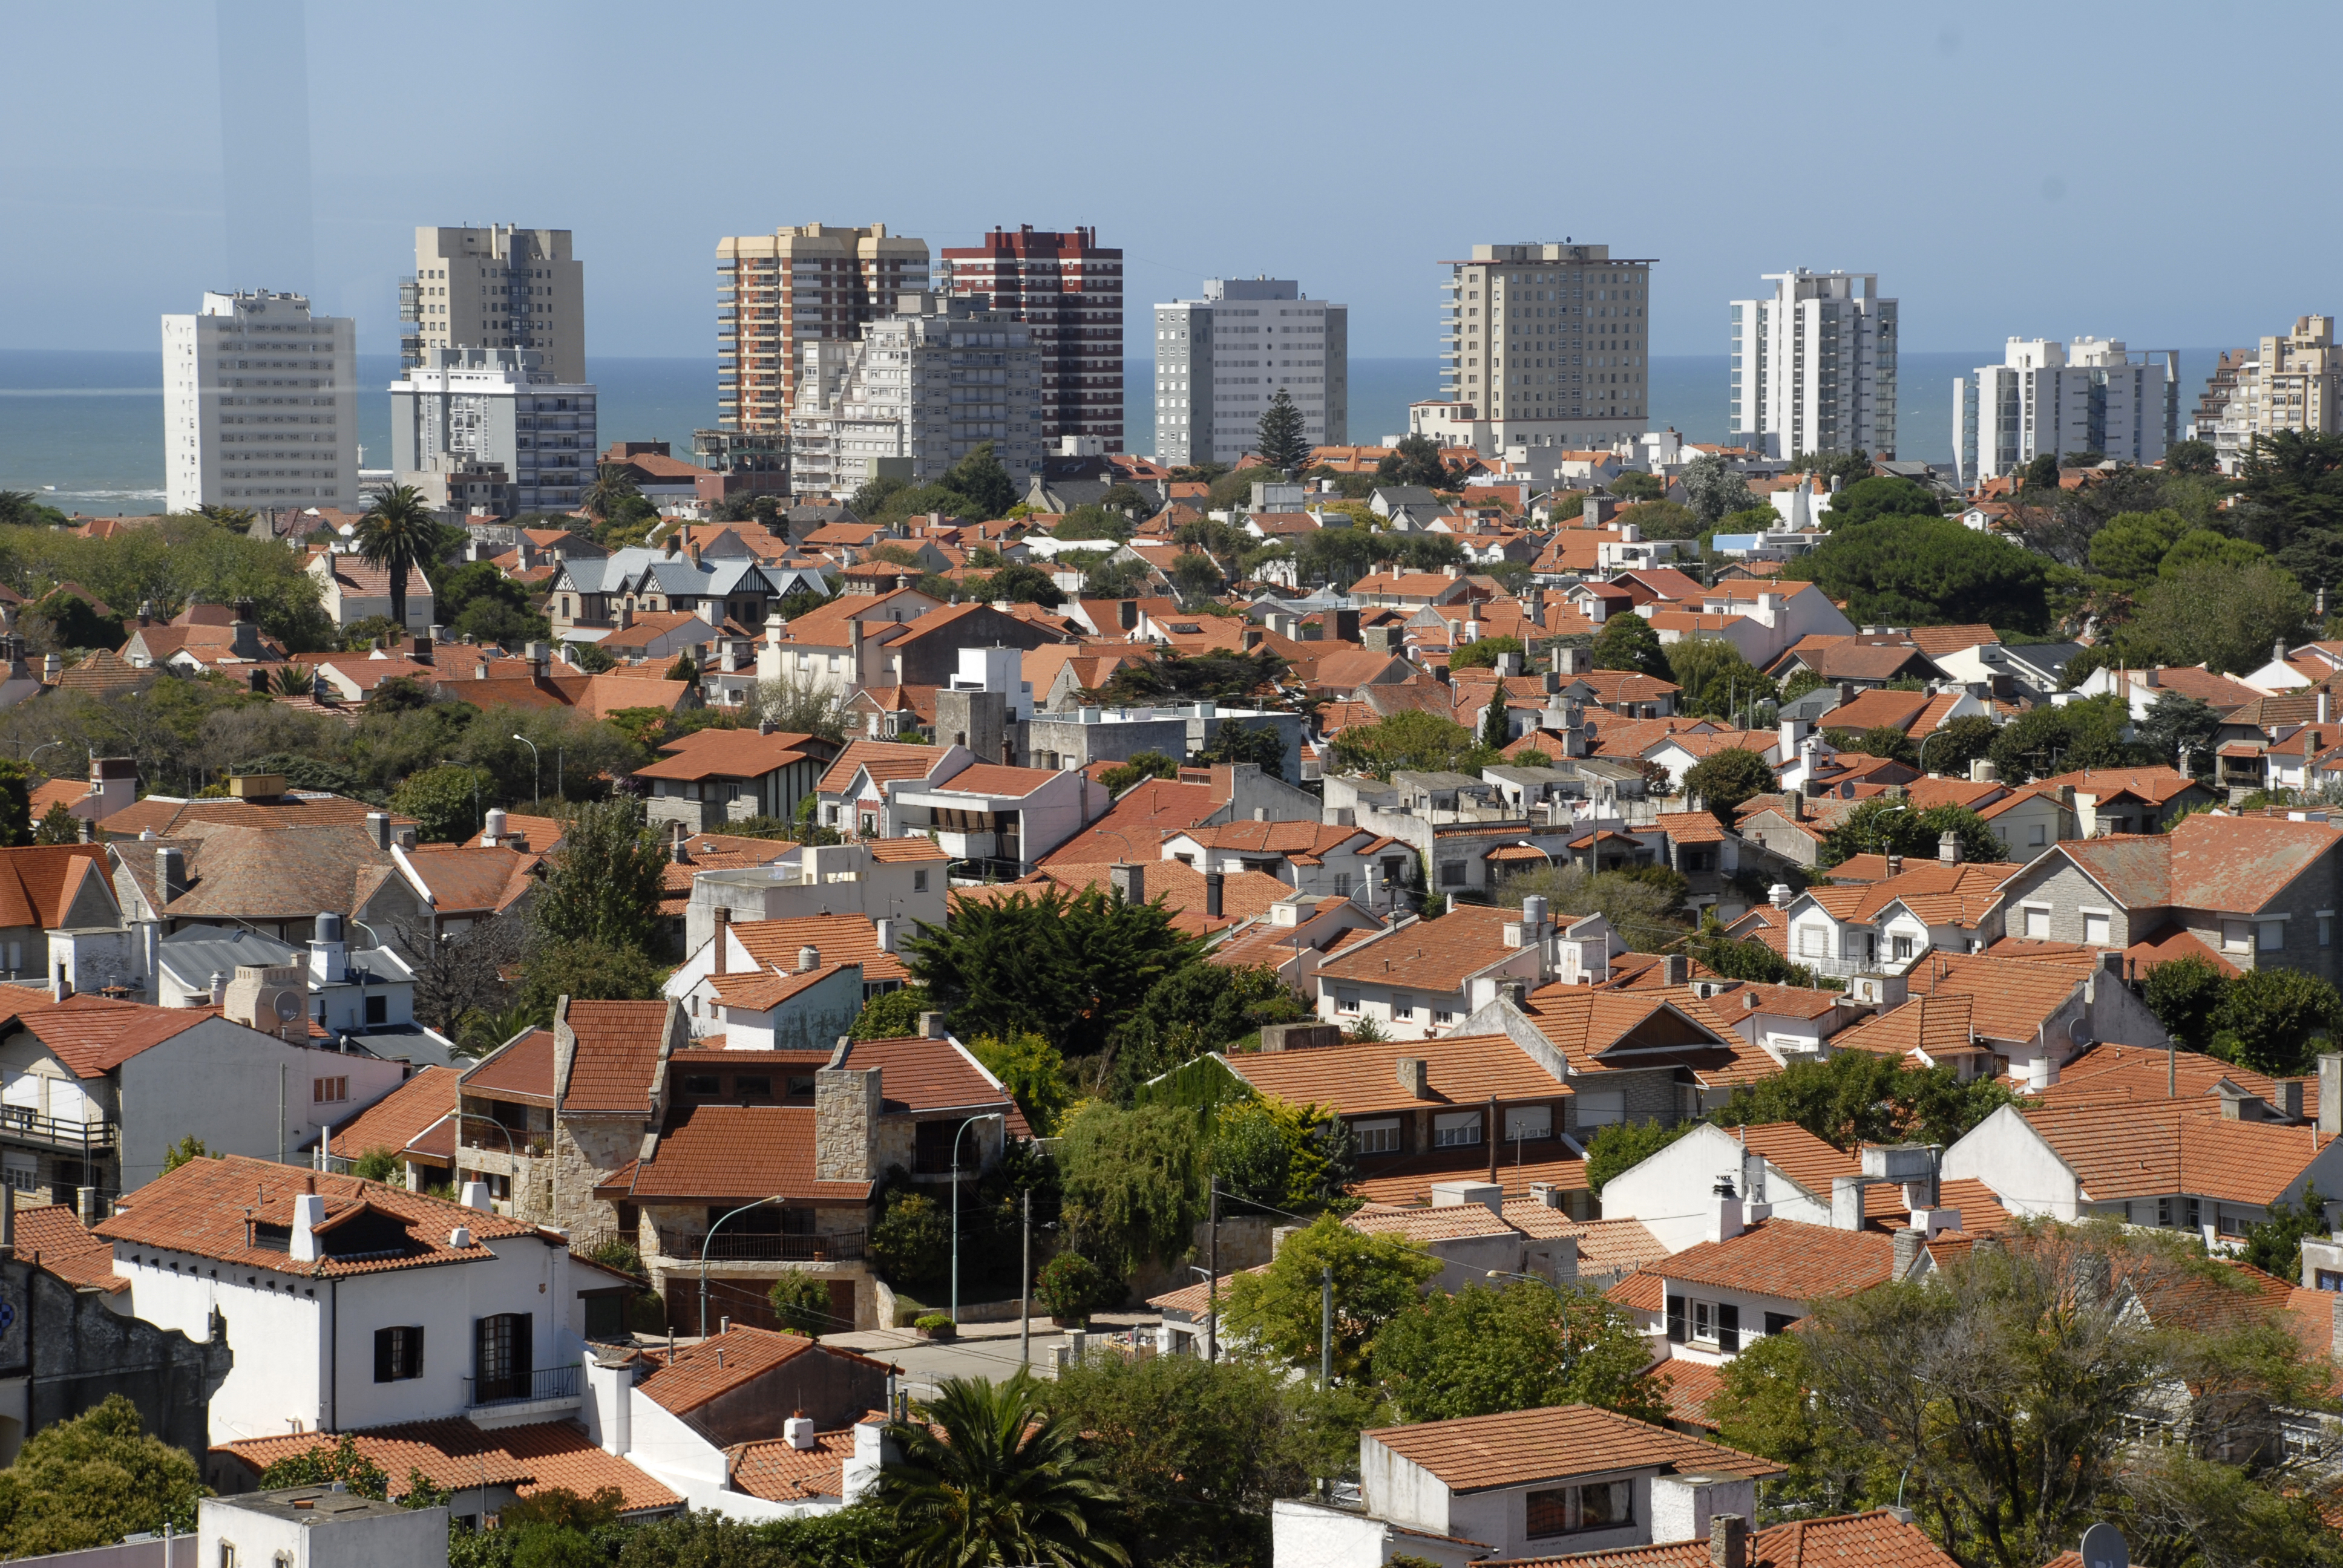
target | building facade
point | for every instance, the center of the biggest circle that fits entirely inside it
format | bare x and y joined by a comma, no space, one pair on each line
916,392
777,293
1067,288
2291,383
1220,359
502,286
1550,342
260,406
1813,367
2089,396
466,412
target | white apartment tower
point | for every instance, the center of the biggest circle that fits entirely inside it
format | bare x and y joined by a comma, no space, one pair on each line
1543,345
914,394
496,421
1813,367
502,286
2294,381
1220,359
260,406
777,293
2089,396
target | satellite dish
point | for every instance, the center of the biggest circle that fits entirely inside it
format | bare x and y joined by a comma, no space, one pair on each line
288,1006
2103,1546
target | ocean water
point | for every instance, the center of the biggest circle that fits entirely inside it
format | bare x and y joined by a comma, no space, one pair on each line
85,430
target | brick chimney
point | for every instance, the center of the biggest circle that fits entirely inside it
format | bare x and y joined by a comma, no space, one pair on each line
1415,1077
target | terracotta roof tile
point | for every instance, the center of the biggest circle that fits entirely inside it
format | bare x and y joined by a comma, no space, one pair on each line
919,1074
780,1471
519,1070
720,1363
1604,1246
762,990
1874,1540
1521,1164
93,1035
38,882
1430,955
840,938
1135,828
1362,1078
2009,999
395,1120
729,754
1786,1260
706,1153
454,1453
2121,1149
1442,1222
620,1044
1693,1387
50,1235
1480,1453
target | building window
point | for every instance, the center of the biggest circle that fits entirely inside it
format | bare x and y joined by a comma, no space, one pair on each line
397,1354
1377,1137
1900,947
2237,936
329,1091
1525,1123
1456,1128
1341,884
2038,835
1451,873
2096,928
919,880
1402,1005
1811,942
2037,923
377,1010
1779,1322
2273,936
1347,998
501,1356
1566,1510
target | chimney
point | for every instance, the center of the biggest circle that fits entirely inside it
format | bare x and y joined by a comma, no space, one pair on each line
1675,969
1779,895
61,984
243,638
2277,651
2325,705
1908,1245
1948,848
475,1196
808,960
309,1213
2289,1098
1130,880
1847,1203
378,826
1415,1077
1213,881
1723,1210
931,1026
723,936
1894,865
798,1431
170,874
1728,1541
220,989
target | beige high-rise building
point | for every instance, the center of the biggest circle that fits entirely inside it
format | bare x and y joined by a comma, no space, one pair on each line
2293,383
497,288
795,285
1542,345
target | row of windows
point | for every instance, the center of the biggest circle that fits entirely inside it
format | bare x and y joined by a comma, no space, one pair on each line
1456,1128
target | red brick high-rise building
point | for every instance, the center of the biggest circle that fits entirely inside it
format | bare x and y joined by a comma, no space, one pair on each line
1070,291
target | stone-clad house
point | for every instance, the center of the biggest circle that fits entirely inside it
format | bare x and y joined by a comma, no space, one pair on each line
2252,891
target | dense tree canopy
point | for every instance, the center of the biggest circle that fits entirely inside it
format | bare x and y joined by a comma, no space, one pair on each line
1929,571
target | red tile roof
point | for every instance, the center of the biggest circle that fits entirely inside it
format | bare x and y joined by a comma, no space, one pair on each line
840,938
50,1235
2122,1148
93,1035
720,1363
707,1154
1142,815
1785,1259
1874,1540
1362,1078
520,1070
727,754
454,1453
395,1120
917,1074
1480,1453
780,1471
619,1049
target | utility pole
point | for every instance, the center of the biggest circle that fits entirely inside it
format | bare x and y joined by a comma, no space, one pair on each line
1326,1328
1025,1289
1212,1286
280,1112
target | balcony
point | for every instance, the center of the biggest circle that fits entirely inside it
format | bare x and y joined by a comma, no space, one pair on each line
546,1390
751,1247
26,1125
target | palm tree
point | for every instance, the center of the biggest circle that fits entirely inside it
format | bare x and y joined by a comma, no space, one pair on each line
400,534
611,487
294,681
988,1478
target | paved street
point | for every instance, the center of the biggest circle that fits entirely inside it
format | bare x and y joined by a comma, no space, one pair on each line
983,1350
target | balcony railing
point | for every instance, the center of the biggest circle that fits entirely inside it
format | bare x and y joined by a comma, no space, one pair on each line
21,1122
749,1247
521,1388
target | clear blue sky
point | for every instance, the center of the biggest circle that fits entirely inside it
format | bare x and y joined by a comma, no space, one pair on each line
2144,171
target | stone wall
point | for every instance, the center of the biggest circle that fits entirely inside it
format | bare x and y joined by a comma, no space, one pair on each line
81,1350
847,1103
587,1149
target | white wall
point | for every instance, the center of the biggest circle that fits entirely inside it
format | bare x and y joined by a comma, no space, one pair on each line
218,1081
2021,1170
1672,1191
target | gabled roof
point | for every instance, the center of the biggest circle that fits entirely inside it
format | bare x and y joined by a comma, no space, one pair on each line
453,1453
1362,1078
620,1045
38,882
50,1236
2154,785
2122,1148
840,938
695,1374
423,1104
1873,1540
712,1154
521,1070
1482,1452
2009,1000
1429,955
1785,1259
92,1035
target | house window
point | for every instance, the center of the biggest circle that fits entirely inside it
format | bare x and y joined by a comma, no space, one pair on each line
919,880
397,1354
1779,1322
1456,1128
1451,873
1341,884
1812,943
1566,1510
2326,927
1377,1137
2237,936
1347,998
1601,1106
329,1091
1900,947
1524,1123
2096,928
1402,1005
2038,835
2229,1222
2037,923
2272,936
377,1010
2329,1279
501,1356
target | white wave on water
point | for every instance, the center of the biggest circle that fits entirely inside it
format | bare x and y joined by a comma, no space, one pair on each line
81,391
105,494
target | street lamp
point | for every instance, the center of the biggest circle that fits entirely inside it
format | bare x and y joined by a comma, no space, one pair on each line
989,1116
38,749
535,795
711,1236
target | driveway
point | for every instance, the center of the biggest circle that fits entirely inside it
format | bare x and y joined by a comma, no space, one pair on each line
983,1350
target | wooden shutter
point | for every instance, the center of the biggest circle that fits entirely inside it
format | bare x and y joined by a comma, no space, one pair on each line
1728,1327
1677,1319
386,1354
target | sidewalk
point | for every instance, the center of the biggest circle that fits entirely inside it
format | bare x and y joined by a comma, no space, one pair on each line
983,1350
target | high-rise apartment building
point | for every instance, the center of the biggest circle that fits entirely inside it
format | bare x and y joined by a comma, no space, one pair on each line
497,418
1813,367
777,293
2089,396
916,393
1544,345
260,406
502,286
1068,288
1220,359
2293,382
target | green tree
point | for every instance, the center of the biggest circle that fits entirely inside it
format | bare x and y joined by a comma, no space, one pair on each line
802,1303
1070,969
893,1014
1766,1407
2269,1018
1274,1152
1660,520
1032,1072
988,1475
1526,1344
188,1148
326,1464
2132,545
400,535
1628,642
294,681
1376,1278
1197,1007
58,826
1723,781
1416,460
1496,730
1645,912
1133,1180
1887,741
2187,995
91,1480
1624,1145
2043,741
2274,1245
1482,654
74,622
1929,571
911,1242
980,478
2177,725
1415,740
584,969
1635,484
611,491
15,802
1716,680
606,880
1882,497
1141,767
1858,1097
379,1164
1714,490
2192,457
2220,615
449,803
1742,958
1280,439
870,498
1225,678
1259,744
1951,747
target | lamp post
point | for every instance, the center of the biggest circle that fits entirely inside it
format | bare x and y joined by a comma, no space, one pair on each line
964,1126
704,1243
535,796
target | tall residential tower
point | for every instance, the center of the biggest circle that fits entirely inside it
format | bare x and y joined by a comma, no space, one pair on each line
777,292
1069,289
1220,359
2059,398
1542,345
260,406
1813,367
502,286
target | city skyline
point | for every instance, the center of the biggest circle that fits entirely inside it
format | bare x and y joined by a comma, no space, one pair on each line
154,165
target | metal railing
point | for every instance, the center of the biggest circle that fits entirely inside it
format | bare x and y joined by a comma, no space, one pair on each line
749,1247
23,1121
520,1388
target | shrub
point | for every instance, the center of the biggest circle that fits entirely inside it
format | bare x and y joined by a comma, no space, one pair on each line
802,1303
911,1243
929,1323
1071,1286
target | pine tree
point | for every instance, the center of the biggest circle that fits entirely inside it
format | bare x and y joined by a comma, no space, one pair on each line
1279,441
1494,732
